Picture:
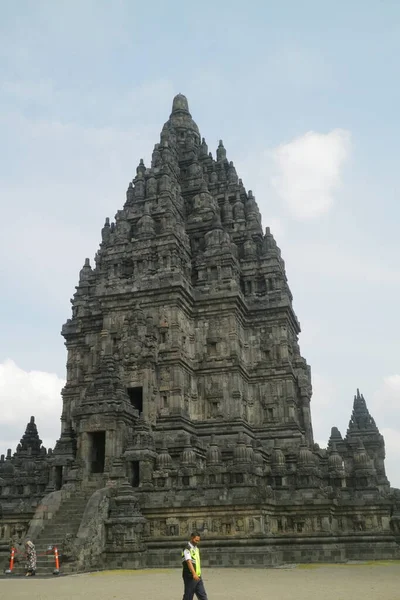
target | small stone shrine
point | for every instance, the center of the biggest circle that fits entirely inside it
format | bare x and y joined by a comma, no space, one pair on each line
187,402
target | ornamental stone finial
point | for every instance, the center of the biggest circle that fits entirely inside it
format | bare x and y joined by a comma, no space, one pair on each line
180,104
221,152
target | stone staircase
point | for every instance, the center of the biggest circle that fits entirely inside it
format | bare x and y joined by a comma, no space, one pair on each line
65,521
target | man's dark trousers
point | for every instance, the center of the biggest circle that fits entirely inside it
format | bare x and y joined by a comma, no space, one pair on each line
193,587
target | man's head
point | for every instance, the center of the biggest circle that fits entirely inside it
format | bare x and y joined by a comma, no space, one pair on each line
195,537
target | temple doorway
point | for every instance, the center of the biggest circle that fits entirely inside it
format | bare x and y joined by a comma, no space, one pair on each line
134,473
58,478
98,451
136,397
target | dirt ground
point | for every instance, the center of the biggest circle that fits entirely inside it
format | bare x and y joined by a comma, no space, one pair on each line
367,581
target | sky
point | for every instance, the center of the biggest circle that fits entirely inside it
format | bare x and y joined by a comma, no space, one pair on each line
305,96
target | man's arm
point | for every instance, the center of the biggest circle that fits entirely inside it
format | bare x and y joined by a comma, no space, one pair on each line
191,569
190,565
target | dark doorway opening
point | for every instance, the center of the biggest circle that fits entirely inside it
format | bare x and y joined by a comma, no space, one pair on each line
98,451
134,475
136,397
58,478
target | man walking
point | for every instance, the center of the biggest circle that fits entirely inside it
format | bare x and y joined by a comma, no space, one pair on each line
191,573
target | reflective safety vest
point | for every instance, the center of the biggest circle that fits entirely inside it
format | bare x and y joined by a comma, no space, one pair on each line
194,557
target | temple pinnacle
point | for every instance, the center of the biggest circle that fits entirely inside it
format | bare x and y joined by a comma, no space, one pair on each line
180,104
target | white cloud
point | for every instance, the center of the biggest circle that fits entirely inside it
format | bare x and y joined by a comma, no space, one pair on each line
27,393
307,171
323,406
392,446
324,392
385,406
345,262
386,400
277,228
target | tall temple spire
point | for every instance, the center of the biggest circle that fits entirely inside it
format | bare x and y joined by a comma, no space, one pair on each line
185,376
188,223
30,441
361,420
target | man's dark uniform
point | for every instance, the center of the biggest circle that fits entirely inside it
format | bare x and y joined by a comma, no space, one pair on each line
191,552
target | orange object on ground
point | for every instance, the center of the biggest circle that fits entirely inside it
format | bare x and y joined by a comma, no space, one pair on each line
57,561
12,557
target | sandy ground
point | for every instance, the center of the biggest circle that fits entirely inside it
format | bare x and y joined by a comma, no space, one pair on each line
369,581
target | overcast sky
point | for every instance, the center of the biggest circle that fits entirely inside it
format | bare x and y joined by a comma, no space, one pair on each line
305,96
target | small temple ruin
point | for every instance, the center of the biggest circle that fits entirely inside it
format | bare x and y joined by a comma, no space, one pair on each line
187,401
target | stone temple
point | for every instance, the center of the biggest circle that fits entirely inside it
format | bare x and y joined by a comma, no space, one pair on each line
187,402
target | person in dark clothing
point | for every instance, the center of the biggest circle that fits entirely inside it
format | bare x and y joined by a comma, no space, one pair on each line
191,570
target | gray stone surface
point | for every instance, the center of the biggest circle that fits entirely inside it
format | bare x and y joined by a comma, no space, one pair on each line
187,400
